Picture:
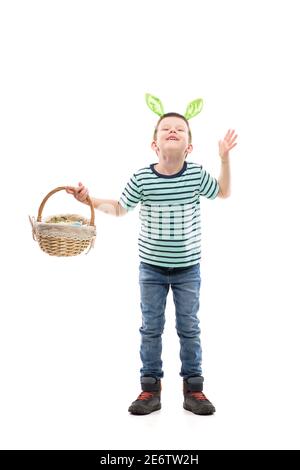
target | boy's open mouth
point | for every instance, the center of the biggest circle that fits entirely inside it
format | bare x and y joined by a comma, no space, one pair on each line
172,138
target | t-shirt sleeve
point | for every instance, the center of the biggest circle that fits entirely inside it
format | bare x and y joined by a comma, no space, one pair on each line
131,195
209,186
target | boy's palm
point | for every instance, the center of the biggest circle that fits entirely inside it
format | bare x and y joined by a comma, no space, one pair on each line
227,144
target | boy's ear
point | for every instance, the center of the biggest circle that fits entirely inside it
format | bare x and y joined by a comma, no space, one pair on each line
154,145
189,148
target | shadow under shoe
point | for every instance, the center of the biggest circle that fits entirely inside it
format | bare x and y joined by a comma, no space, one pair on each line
149,399
194,399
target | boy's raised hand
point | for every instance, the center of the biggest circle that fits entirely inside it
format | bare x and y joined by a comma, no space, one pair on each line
80,192
227,144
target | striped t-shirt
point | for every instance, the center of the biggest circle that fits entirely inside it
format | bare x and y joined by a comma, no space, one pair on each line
170,233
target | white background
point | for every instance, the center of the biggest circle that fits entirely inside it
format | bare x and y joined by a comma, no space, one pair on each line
73,79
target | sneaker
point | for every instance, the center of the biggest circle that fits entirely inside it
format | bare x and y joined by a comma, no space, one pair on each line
149,399
194,399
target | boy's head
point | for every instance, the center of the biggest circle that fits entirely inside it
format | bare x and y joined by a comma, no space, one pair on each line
172,134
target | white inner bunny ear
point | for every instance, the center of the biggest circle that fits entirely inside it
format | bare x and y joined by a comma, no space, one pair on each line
154,104
194,108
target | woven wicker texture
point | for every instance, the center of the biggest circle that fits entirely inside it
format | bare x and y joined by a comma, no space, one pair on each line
63,234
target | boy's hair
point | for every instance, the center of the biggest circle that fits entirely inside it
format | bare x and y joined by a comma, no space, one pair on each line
171,115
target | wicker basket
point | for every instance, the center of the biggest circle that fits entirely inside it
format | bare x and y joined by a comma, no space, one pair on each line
64,234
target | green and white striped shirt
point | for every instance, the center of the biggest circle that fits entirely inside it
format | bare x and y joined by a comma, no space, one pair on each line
170,234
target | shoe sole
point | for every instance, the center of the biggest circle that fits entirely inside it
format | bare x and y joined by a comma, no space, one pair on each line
141,412
203,412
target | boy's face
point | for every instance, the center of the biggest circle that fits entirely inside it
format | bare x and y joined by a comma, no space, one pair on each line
172,138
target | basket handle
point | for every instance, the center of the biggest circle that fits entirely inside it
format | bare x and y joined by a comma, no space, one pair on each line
60,188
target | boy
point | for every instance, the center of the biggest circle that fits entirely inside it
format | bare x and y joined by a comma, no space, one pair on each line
169,249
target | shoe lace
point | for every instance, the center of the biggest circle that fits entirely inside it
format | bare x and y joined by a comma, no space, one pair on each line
198,395
145,396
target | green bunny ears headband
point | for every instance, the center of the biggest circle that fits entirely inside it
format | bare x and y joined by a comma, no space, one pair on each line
193,108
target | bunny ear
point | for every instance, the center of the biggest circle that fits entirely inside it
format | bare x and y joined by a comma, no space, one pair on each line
194,108
154,104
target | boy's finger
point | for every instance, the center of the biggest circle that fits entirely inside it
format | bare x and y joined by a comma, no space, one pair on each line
70,190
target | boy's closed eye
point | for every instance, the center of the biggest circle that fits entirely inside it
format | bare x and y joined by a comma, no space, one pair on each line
167,129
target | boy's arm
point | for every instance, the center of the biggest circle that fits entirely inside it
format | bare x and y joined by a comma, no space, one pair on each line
225,146
109,206
224,179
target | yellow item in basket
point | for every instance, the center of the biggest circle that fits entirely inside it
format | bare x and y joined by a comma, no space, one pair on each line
73,219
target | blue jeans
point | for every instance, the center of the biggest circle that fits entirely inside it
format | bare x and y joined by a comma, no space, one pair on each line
154,287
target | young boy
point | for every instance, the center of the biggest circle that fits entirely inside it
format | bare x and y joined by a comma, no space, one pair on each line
169,250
